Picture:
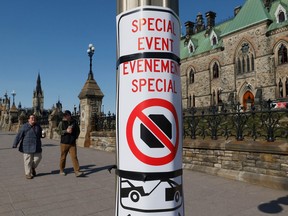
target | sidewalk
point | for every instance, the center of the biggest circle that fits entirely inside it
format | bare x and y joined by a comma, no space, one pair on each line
50,194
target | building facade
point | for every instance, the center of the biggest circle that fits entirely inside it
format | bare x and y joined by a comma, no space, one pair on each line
243,59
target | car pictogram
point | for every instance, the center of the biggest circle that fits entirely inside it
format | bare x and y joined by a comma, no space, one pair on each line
172,193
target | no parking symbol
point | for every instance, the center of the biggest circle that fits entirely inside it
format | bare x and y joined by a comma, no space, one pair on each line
155,132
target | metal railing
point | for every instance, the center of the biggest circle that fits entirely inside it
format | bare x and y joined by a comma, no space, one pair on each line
105,122
226,121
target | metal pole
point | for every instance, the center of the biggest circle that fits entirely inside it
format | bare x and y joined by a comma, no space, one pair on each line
149,109
125,5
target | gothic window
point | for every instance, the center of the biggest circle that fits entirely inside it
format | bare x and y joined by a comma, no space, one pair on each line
282,55
215,71
248,63
193,100
238,66
281,16
280,89
219,96
191,77
243,65
252,62
244,59
190,101
214,40
191,49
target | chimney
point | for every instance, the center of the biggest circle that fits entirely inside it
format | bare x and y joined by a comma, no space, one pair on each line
236,10
199,23
189,27
210,16
267,4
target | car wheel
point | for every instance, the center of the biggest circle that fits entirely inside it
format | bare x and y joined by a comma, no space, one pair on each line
134,196
177,196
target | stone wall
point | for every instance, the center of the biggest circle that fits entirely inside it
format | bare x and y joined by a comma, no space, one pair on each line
103,140
261,163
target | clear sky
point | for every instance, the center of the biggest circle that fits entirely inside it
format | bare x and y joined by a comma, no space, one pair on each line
51,37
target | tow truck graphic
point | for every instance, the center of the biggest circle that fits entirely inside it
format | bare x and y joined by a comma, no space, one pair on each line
132,195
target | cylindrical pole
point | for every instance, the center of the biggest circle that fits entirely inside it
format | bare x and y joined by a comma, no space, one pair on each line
149,109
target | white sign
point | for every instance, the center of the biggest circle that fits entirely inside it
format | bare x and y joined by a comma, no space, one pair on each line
149,111
155,32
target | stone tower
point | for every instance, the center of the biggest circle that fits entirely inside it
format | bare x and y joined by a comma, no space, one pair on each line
90,107
38,97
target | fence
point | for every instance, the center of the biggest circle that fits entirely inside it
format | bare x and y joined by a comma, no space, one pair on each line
105,122
259,122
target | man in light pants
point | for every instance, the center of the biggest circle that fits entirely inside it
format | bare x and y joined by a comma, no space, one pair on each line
29,137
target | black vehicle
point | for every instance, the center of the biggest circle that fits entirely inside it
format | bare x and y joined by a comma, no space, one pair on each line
174,192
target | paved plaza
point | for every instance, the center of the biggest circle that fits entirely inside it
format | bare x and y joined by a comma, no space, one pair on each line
50,194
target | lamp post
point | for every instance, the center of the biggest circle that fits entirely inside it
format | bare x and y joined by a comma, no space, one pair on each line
90,52
75,108
13,93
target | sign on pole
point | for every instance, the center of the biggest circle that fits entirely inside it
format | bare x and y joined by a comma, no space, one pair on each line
149,113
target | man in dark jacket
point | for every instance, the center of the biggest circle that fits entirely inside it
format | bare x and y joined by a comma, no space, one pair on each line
69,130
29,137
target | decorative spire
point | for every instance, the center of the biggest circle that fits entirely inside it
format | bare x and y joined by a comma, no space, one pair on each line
38,85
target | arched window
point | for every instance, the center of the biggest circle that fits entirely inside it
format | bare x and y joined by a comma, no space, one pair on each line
243,65
214,40
252,62
282,55
244,59
191,77
280,89
239,66
215,71
190,101
191,49
219,96
280,13
281,16
248,63
193,100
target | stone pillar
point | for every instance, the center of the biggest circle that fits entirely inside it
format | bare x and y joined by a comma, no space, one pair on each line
90,105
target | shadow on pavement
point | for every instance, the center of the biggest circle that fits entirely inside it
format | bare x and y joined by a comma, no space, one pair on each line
49,145
87,169
274,206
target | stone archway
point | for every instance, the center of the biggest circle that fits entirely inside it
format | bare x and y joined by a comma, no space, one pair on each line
248,98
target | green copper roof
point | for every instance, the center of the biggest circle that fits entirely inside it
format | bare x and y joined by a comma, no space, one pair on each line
252,12
274,25
202,42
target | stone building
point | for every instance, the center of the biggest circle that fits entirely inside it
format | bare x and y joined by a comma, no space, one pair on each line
243,59
38,98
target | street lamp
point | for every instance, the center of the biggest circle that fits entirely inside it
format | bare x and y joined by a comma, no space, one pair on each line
75,108
90,52
13,95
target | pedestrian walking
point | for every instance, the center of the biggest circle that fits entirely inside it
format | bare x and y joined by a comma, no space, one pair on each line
29,140
69,131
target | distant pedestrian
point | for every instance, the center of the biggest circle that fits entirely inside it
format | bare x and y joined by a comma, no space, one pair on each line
29,137
69,130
